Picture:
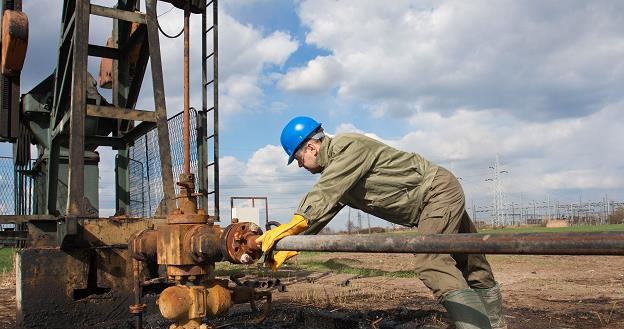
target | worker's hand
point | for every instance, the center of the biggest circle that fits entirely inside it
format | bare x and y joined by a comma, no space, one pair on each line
296,225
280,257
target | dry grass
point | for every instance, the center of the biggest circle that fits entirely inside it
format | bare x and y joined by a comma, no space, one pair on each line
336,296
7,280
606,319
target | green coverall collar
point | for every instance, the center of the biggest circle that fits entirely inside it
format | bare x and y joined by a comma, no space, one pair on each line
323,157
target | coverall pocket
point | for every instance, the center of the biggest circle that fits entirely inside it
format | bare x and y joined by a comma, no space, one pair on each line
390,199
434,221
394,207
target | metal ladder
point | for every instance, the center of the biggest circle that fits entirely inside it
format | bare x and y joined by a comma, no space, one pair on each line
208,138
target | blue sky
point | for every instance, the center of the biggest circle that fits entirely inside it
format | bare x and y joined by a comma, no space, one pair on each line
537,83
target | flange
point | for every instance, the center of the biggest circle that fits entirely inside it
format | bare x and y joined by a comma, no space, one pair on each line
238,243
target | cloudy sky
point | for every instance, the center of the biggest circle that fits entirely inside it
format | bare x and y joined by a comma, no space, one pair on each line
540,84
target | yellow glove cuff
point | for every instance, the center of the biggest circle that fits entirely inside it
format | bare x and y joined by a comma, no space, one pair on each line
296,225
280,257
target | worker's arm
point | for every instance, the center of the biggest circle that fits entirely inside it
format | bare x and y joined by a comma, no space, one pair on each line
350,162
318,225
298,224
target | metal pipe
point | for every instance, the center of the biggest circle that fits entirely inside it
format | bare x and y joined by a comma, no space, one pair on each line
590,243
136,288
186,127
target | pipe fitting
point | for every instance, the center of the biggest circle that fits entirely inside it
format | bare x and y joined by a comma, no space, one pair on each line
143,245
204,242
192,303
238,243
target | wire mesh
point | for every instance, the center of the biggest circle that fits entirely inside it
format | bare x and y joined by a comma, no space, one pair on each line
24,183
7,186
16,195
146,190
16,188
137,191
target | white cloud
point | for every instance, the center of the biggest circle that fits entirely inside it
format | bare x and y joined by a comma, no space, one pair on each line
559,159
534,60
268,166
553,157
265,174
351,128
106,181
581,179
276,47
568,153
472,79
246,56
318,75
248,52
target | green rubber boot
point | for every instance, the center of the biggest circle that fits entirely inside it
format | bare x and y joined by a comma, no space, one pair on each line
493,302
466,309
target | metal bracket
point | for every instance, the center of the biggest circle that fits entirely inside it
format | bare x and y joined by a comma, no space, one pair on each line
66,226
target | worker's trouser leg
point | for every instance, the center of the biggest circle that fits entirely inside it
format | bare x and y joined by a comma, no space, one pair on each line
445,212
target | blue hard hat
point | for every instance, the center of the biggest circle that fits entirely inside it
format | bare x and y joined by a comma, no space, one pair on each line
296,132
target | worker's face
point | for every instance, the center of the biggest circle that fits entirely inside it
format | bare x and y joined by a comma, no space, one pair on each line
306,157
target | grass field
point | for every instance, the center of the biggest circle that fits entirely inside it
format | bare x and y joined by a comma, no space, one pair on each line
347,266
538,229
541,229
6,259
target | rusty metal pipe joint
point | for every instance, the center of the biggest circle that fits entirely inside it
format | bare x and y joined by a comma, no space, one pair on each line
142,245
238,243
204,242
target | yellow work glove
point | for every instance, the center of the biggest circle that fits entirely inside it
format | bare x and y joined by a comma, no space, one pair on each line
280,257
297,225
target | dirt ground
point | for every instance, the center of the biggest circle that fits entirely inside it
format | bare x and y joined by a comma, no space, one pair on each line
538,291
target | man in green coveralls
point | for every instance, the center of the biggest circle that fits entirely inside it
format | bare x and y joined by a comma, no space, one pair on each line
400,187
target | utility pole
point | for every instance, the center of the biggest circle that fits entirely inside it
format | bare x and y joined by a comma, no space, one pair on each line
606,209
498,218
522,216
474,212
548,214
349,223
580,208
359,217
513,214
